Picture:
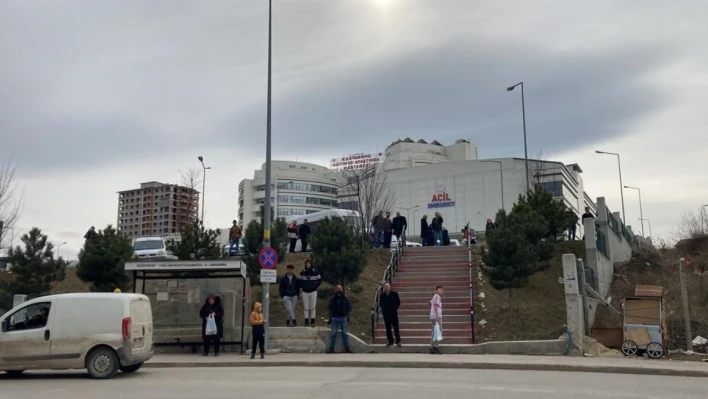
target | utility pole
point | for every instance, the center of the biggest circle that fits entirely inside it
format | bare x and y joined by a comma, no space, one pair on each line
684,298
266,205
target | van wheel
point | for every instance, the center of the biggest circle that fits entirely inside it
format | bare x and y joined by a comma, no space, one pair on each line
102,363
131,369
14,373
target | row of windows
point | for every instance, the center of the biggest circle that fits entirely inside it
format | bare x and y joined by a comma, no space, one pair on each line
301,199
303,187
553,187
285,212
151,191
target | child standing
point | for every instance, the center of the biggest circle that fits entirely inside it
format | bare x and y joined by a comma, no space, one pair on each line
257,329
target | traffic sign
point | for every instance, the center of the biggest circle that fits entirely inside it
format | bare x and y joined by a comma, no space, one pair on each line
268,276
268,258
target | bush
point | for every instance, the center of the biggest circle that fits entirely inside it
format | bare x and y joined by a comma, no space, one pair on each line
337,252
102,260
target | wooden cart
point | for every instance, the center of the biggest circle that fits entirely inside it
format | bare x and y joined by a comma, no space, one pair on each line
644,327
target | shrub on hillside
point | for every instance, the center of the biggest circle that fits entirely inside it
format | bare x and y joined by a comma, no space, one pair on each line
337,252
102,260
34,267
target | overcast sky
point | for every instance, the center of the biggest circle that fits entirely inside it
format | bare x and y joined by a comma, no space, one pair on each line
97,96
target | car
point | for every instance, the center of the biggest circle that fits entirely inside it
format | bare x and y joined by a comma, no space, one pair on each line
101,332
227,247
152,248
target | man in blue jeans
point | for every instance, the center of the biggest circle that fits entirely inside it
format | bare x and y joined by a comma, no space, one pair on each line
340,309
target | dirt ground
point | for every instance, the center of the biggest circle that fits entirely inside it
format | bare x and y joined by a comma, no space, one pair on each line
538,309
361,294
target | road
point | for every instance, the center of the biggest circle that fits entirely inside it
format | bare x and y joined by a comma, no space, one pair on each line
351,383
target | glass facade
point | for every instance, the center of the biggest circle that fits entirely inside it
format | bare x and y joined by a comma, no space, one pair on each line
553,187
316,188
286,212
301,199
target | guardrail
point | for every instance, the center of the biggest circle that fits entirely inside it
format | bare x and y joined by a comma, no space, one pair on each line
472,276
388,276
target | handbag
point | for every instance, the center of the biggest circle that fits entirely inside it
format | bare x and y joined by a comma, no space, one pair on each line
292,235
210,326
437,333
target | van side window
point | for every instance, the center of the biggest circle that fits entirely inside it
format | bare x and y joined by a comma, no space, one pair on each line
30,317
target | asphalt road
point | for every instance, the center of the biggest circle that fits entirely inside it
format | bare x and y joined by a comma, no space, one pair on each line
351,383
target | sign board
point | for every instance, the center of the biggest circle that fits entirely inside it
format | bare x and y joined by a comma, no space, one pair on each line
441,198
268,276
356,161
178,265
268,258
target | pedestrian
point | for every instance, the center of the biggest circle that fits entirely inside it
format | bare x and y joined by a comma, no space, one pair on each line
340,309
304,232
377,224
573,224
212,309
389,303
424,231
310,281
292,235
587,215
91,234
235,235
289,292
257,330
387,227
489,227
436,313
437,226
400,225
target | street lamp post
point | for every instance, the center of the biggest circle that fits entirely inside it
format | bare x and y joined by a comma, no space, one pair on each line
526,148
501,179
648,221
266,205
641,215
201,160
58,248
619,167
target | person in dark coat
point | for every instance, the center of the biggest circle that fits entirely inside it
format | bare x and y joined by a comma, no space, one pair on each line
390,302
304,232
489,227
400,224
340,309
437,227
424,231
289,291
212,306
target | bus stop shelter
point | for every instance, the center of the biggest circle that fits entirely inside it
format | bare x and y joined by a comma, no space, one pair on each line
177,291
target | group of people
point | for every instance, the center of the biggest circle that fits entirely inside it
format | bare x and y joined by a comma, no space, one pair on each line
433,234
302,232
385,228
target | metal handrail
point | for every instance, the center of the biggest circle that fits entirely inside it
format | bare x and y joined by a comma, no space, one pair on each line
472,276
388,275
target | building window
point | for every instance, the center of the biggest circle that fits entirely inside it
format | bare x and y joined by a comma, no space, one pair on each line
553,187
301,199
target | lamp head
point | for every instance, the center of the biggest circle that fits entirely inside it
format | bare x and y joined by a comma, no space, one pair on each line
599,152
200,158
510,88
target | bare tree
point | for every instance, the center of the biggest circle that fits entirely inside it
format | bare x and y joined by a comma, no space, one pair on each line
367,191
692,225
11,201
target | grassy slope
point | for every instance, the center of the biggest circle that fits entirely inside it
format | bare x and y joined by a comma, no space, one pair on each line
361,295
538,308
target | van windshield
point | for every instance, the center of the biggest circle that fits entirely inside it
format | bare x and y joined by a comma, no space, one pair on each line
148,244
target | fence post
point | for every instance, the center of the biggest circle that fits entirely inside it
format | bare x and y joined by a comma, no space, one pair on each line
583,292
686,313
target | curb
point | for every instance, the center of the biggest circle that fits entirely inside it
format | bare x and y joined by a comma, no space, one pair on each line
450,365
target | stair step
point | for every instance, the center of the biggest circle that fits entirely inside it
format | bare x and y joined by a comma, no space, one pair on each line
426,340
441,279
408,307
425,317
434,273
431,284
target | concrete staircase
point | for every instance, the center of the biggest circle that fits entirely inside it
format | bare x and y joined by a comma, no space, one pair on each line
420,271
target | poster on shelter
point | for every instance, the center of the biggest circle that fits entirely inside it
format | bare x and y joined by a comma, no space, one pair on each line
193,295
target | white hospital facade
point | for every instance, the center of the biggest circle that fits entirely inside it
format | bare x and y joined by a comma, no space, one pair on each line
426,178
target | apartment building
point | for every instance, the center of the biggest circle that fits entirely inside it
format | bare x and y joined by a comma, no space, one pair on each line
156,209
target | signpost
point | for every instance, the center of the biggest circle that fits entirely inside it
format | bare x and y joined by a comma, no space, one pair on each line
268,259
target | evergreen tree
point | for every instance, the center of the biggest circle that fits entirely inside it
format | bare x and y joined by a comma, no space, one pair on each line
517,248
102,260
554,212
337,252
196,242
34,267
253,243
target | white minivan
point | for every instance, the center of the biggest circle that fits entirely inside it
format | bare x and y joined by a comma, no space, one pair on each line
152,248
100,332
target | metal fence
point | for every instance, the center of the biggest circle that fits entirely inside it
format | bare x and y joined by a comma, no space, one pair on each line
601,242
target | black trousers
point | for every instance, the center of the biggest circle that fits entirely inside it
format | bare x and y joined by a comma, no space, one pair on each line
258,339
208,340
387,239
293,241
304,244
391,323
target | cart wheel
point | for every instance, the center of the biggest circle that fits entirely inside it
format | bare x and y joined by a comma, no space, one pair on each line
655,350
629,348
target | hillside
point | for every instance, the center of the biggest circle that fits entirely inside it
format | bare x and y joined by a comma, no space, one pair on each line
538,309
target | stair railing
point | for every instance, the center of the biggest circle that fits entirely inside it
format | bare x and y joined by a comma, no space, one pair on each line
388,275
472,276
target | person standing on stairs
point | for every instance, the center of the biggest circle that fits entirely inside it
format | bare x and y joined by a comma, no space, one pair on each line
400,225
424,231
387,227
304,232
390,302
436,318
340,308
289,290
437,227
310,281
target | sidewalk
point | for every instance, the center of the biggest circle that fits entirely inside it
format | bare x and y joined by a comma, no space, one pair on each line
472,362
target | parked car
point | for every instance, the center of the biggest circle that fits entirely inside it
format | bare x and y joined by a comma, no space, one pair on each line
100,332
152,248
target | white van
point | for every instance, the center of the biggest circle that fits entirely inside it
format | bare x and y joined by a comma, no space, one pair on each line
101,332
152,248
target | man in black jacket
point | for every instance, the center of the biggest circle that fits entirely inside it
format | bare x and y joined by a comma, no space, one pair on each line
390,302
310,281
289,292
304,232
400,224
340,308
